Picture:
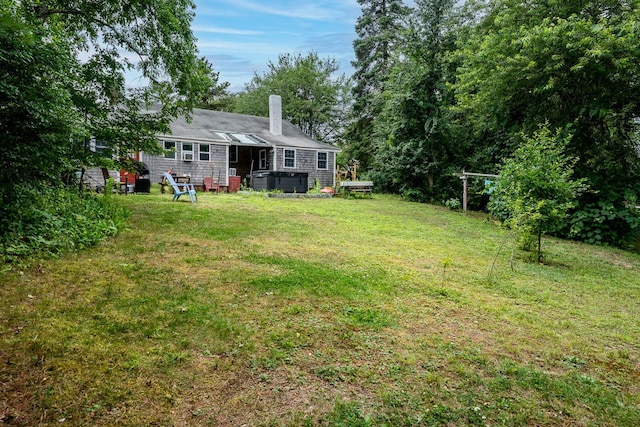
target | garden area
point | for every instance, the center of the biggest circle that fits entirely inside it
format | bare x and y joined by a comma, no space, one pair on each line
248,310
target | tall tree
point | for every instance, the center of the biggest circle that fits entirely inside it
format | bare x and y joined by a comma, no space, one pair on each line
100,43
573,65
379,28
63,70
416,152
215,95
36,107
312,97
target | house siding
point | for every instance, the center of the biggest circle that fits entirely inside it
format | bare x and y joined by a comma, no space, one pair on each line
307,162
250,134
197,169
94,176
216,167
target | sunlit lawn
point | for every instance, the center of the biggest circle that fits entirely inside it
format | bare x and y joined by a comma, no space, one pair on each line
247,310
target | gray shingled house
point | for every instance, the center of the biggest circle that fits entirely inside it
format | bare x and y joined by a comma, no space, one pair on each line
233,148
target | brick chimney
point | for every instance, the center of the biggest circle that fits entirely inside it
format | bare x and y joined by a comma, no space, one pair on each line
275,114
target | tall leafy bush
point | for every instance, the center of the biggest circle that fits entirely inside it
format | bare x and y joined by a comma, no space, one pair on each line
46,221
535,188
609,217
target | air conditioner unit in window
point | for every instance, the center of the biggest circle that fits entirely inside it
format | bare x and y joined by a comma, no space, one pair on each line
187,157
232,171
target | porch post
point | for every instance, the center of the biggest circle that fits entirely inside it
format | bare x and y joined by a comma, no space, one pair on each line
275,158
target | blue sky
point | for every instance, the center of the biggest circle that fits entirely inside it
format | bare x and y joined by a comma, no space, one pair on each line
240,36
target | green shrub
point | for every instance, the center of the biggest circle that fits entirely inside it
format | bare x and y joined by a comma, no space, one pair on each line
46,221
420,195
535,188
316,186
453,204
613,219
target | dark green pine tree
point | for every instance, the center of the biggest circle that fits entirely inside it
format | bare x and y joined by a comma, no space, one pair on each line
379,31
414,131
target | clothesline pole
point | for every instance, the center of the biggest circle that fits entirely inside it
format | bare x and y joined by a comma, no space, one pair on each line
465,185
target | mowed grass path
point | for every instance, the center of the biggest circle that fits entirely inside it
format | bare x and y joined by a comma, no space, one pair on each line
247,310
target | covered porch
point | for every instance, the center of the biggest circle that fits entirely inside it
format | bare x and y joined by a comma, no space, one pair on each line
248,154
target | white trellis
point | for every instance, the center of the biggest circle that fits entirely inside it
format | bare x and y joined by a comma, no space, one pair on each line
464,176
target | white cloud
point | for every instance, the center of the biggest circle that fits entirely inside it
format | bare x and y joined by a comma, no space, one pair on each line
241,36
227,31
316,11
255,48
334,43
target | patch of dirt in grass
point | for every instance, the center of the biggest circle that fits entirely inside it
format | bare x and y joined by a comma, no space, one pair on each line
621,263
613,258
466,328
225,393
15,400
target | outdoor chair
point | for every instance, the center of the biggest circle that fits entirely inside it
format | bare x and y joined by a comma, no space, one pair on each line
180,189
211,184
107,176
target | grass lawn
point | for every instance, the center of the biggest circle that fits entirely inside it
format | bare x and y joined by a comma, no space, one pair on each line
247,310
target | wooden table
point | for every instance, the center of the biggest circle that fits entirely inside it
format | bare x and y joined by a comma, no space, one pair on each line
356,187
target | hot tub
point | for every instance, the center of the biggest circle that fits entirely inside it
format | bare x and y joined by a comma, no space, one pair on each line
287,182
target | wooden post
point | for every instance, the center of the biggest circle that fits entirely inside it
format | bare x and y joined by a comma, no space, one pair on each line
465,191
465,185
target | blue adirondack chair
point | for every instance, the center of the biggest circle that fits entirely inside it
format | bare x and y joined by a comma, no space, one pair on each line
180,189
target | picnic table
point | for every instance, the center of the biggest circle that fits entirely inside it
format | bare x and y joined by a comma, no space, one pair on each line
356,187
180,179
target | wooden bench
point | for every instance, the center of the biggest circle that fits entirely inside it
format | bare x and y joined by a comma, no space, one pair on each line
356,187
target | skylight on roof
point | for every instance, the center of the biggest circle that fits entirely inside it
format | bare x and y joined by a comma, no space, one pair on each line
245,139
223,136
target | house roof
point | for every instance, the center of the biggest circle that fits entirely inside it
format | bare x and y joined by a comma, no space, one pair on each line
240,129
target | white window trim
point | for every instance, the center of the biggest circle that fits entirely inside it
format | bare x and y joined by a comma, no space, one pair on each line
98,146
184,152
326,160
262,156
233,148
172,155
101,148
182,144
284,158
202,152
